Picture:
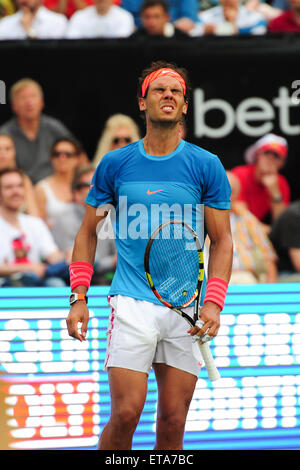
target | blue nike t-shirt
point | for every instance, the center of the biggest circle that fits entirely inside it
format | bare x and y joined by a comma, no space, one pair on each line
143,191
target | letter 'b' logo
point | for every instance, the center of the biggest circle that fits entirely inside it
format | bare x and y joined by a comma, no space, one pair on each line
2,92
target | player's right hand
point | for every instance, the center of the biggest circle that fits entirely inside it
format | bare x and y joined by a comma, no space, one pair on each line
79,313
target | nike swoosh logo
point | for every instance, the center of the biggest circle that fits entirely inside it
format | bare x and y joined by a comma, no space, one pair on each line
153,192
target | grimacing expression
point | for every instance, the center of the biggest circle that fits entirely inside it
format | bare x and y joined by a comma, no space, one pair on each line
164,101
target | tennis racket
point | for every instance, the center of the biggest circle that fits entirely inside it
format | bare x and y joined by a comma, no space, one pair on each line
174,270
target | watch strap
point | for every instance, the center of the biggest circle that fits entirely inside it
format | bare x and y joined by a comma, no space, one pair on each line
81,297
74,297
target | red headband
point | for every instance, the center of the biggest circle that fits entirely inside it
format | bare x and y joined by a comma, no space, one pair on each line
162,73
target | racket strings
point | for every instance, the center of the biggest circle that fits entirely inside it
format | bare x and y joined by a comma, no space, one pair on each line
174,264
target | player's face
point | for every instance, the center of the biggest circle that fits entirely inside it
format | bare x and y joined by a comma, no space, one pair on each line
28,102
164,101
12,191
7,152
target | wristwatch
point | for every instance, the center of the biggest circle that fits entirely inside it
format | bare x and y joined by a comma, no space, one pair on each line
277,198
74,297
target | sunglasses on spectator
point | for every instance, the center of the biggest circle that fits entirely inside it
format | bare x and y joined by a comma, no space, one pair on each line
117,140
82,185
58,153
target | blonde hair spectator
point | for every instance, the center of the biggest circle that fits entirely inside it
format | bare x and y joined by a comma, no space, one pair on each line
23,83
33,131
119,130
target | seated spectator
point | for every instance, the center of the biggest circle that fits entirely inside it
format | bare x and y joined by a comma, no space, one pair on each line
54,193
68,223
264,191
103,20
119,130
33,21
7,7
155,20
67,7
32,131
8,160
230,17
285,236
254,258
28,253
183,13
288,21
268,11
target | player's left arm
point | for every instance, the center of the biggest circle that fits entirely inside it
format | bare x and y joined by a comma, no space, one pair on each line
219,266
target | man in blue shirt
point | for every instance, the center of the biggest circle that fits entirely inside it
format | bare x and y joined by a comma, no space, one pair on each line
136,183
179,9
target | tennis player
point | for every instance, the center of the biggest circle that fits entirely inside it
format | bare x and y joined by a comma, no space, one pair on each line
159,169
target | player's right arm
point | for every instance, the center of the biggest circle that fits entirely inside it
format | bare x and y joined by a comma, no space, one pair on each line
84,251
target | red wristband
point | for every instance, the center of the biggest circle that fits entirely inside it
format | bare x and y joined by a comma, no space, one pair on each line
216,291
80,274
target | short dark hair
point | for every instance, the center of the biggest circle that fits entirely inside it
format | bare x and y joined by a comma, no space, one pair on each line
76,144
153,3
6,171
79,172
158,64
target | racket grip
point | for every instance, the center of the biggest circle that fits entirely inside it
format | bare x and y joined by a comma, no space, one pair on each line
210,365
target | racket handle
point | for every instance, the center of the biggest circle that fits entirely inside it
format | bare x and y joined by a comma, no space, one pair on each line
210,365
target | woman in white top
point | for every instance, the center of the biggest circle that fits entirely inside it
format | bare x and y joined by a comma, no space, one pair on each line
54,193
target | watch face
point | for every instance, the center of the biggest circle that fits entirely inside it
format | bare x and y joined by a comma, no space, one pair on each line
72,298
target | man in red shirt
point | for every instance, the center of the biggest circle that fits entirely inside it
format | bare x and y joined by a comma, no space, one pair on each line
287,22
264,191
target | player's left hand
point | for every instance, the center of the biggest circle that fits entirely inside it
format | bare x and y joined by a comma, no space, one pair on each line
210,316
79,313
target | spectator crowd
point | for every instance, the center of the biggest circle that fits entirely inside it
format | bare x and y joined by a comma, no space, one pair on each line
82,19
45,173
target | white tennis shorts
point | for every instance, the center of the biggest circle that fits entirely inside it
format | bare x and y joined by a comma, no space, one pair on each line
141,333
